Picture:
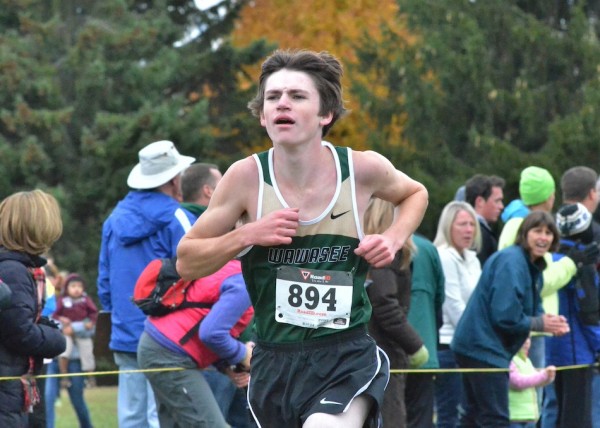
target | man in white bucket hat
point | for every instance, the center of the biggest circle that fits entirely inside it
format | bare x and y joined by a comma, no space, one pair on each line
147,224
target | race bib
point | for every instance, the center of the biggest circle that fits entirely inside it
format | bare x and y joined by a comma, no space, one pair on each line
313,298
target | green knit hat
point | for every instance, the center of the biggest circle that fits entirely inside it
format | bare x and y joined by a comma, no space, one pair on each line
536,185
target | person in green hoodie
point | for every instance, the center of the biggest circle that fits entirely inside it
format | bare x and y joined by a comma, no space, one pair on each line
426,298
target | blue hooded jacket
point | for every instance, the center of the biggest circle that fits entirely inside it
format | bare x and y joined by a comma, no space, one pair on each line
582,344
515,209
144,226
497,318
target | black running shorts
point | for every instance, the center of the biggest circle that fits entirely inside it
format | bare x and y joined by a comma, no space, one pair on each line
290,382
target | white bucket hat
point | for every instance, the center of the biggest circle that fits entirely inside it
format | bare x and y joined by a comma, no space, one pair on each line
159,163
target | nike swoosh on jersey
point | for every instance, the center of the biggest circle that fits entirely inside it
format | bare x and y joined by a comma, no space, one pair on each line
325,401
333,216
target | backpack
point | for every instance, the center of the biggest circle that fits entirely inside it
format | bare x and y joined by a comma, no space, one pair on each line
586,288
160,290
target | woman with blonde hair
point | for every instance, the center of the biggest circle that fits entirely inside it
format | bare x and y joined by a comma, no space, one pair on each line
457,241
30,224
388,289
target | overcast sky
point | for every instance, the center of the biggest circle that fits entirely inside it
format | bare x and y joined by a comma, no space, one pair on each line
205,4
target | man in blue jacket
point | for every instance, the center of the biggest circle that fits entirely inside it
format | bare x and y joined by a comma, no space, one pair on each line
578,303
147,224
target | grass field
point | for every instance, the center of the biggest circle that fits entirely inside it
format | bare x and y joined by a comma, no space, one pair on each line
102,403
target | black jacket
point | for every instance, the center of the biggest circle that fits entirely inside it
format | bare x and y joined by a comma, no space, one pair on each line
20,335
489,243
389,293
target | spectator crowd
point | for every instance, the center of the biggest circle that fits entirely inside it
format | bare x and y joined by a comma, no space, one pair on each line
317,302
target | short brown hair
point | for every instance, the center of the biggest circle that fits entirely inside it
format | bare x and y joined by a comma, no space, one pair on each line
577,182
324,69
481,185
30,222
535,219
195,177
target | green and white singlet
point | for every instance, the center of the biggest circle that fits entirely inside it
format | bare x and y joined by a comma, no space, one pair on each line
313,287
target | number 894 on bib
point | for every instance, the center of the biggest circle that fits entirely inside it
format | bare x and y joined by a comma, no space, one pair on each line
313,298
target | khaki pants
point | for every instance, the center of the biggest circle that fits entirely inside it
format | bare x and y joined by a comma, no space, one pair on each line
85,345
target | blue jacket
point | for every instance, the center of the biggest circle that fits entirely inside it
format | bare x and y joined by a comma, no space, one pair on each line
582,343
515,209
497,319
144,226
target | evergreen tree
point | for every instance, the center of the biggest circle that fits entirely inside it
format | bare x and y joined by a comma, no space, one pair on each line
489,87
86,84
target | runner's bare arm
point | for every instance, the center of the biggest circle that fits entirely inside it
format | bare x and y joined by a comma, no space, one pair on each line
376,176
213,241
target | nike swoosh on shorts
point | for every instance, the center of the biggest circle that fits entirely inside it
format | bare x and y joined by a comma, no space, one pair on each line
325,401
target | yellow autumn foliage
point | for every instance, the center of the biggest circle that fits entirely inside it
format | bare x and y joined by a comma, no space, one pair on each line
336,26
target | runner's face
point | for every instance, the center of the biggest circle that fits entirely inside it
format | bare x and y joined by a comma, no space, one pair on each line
291,108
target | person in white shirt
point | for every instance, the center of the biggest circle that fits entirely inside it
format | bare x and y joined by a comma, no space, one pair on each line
457,240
